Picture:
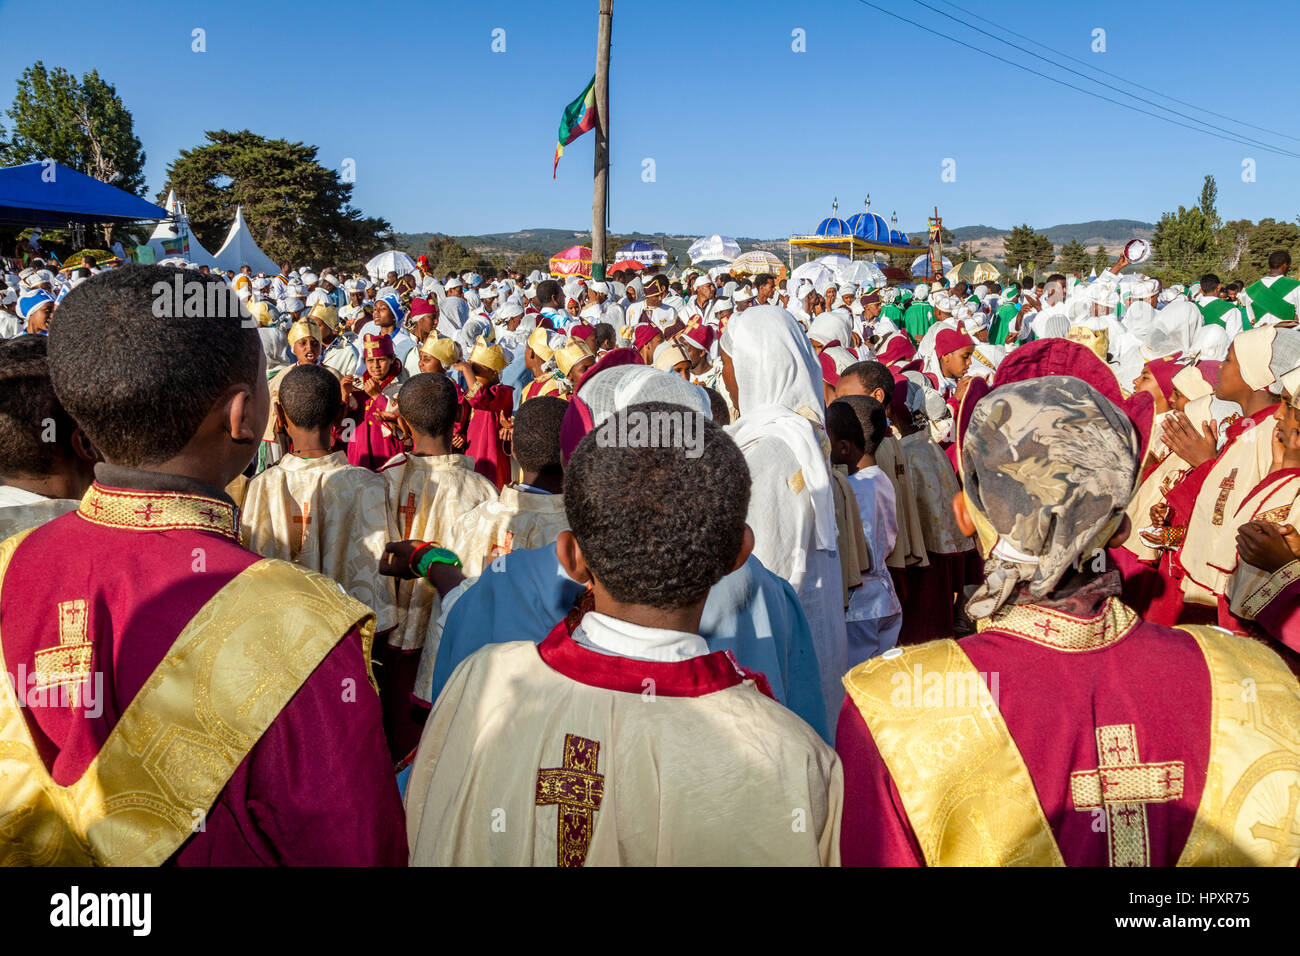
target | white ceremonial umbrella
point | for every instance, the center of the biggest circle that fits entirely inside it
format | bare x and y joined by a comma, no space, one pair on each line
921,265
391,261
714,248
861,273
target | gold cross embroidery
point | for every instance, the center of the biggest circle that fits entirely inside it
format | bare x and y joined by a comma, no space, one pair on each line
68,662
578,790
1122,785
1225,489
1284,834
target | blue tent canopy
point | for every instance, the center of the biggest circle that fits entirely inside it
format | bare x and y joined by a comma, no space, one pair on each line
49,194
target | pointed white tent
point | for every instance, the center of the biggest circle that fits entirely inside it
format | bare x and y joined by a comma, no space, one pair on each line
240,249
179,224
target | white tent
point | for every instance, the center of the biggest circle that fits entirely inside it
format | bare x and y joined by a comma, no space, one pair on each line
240,249
179,225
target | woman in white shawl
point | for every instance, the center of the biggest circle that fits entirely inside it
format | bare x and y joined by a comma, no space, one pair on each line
453,313
774,380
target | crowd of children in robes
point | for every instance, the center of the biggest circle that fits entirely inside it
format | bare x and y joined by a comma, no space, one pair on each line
439,446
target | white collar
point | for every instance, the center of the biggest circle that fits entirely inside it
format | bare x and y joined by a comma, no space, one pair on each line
619,638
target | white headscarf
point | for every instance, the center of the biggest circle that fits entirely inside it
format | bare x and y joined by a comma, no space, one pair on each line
615,388
453,313
834,326
779,394
1211,342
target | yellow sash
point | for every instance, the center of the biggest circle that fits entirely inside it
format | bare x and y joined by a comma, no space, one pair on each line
225,679
1250,809
964,785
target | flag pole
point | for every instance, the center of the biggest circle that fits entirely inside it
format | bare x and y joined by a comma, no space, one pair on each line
600,182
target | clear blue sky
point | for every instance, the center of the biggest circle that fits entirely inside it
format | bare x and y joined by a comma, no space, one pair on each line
748,137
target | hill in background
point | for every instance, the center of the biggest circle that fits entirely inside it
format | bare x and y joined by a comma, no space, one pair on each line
987,241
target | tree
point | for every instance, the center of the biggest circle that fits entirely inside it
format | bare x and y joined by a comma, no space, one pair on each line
1190,242
80,124
1025,247
1101,259
529,261
964,253
297,210
1073,258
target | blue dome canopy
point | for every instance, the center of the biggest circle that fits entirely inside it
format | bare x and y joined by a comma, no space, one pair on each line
833,227
897,238
867,225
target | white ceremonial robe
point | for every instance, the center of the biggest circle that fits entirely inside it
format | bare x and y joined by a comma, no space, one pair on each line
875,615
563,754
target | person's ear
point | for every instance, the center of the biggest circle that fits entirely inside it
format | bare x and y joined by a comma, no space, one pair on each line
571,557
239,410
962,511
746,548
1121,533
82,446
879,395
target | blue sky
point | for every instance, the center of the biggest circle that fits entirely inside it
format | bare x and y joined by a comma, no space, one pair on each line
747,137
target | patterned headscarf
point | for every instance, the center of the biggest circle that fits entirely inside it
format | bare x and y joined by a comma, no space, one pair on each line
1048,466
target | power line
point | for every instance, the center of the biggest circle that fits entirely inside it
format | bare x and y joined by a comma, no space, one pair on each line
1166,96
1077,89
1109,86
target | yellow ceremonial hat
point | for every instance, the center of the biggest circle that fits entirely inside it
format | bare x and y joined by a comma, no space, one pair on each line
489,356
304,328
540,342
262,312
443,349
326,315
574,351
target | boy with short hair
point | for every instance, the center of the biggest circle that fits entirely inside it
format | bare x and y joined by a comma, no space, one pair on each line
856,425
619,780
315,509
529,513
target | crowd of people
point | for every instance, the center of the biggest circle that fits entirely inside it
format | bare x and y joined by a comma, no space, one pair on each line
681,569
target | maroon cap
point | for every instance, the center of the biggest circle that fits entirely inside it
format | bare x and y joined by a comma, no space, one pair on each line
581,331
644,334
949,340
421,307
898,349
1163,371
829,372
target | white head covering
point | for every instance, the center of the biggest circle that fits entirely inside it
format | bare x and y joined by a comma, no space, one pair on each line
832,326
612,389
1172,329
779,394
452,315
921,292
1210,343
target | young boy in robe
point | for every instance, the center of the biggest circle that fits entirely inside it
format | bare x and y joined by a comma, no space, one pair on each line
537,354
305,341
200,645
429,490
315,509
529,513
523,727
486,412
931,591
370,411
46,461
855,426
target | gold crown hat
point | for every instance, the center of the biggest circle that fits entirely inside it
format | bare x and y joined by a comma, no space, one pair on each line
326,315
540,342
303,329
489,356
440,348
262,312
573,352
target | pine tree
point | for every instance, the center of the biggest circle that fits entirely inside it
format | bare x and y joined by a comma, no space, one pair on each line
1101,259
1073,259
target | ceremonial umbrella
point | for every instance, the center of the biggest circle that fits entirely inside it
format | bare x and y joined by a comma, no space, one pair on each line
714,248
573,261
863,272
973,270
102,258
921,265
631,265
757,261
813,272
645,253
391,261
893,273
833,261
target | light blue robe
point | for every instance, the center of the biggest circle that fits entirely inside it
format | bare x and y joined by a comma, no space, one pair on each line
751,612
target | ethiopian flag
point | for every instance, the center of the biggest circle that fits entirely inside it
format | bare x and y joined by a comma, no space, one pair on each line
579,117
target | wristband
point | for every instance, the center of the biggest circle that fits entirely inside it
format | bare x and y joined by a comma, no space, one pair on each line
426,556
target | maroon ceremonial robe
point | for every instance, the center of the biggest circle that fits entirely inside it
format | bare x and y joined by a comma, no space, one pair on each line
145,553
374,441
485,445
1069,686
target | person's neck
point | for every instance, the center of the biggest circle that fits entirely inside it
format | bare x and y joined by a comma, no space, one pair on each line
57,485
1257,401
683,619
868,460
545,480
703,365
311,442
428,446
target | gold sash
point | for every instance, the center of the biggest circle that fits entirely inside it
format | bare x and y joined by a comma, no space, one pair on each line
1250,809
225,679
964,785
